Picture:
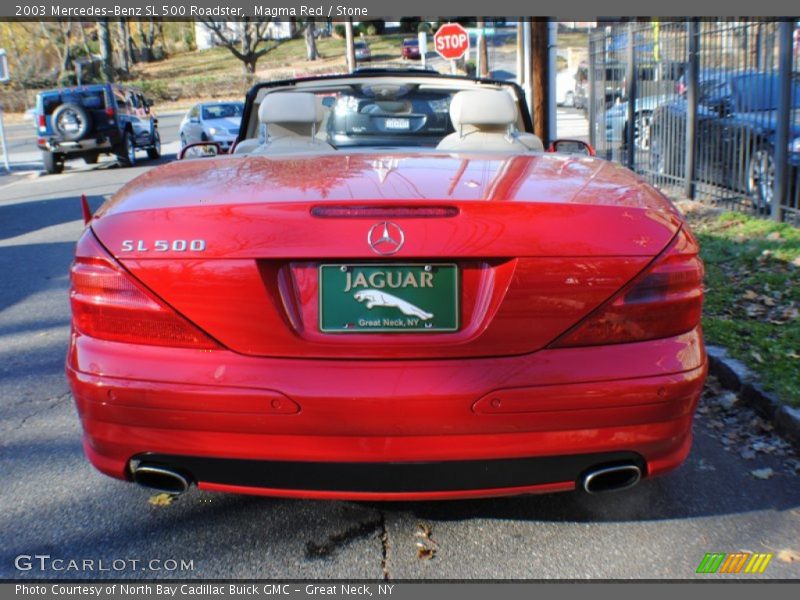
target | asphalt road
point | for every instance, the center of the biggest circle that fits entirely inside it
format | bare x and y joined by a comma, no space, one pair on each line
53,502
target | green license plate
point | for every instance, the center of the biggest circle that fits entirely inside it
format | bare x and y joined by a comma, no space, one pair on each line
388,298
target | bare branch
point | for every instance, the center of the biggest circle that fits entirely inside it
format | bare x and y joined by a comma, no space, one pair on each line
245,43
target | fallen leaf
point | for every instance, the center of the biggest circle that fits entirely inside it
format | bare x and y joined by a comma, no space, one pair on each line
425,553
750,295
788,556
161,499
757,357
423,531
766,473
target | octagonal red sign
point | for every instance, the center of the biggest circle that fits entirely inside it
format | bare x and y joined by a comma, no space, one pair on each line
451,41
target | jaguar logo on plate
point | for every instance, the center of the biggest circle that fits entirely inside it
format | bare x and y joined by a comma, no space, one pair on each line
389,297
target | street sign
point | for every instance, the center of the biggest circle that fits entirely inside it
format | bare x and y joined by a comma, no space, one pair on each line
451,41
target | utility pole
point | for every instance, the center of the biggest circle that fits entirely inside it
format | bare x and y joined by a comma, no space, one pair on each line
520,52
351,51
539,76
482,52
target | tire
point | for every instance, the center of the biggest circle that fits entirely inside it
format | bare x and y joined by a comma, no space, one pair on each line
127,151
760,177
53,163
71,121
91,158
154,151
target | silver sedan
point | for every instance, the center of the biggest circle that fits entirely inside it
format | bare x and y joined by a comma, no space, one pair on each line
212,122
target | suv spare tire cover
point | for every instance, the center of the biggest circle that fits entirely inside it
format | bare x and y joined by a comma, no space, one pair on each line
71,121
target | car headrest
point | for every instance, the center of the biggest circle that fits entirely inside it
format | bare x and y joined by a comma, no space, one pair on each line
290,107
482,107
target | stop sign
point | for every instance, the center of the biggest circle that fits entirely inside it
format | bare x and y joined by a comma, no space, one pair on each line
451,41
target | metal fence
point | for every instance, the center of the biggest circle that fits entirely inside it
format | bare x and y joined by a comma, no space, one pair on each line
703,109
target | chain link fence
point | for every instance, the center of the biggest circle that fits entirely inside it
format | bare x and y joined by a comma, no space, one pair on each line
703,109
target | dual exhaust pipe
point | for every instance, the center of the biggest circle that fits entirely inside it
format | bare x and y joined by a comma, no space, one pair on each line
594,481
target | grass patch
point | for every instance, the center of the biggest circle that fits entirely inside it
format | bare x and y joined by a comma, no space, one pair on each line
752,294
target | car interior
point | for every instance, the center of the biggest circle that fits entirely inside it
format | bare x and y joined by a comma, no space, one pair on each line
387,112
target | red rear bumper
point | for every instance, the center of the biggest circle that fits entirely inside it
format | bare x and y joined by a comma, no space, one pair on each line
364,429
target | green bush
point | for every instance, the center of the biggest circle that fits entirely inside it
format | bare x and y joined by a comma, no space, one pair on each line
339,31
424,27
378,26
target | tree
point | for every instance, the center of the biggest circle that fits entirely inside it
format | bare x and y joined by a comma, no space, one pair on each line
59,35
123,49
311,40
106,52
148,39
244,41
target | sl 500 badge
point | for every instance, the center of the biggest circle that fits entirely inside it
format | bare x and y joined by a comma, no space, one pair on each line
163,246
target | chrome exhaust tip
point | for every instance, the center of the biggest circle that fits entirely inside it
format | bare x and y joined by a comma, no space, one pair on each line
160,478
611,479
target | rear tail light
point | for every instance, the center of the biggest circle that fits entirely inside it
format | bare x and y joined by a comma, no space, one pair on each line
664,301
109,304
42,122
109,111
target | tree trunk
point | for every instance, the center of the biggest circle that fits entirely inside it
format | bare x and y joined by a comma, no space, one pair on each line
84,41
104,36
350,48
311,41
124,57
130,46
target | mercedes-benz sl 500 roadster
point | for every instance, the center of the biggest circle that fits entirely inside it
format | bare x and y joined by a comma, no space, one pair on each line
388,289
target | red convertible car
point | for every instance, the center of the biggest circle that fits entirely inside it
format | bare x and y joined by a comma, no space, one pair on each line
388,290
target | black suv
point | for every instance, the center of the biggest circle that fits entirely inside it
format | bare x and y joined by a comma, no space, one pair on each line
85,121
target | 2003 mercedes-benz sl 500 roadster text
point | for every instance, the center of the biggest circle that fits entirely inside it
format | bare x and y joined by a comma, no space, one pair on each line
387,290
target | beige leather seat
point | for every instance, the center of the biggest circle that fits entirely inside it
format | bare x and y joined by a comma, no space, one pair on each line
486,120
292,120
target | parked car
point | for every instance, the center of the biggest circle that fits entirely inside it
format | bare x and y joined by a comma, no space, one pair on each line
211,122
411,49
736,128
382,320
86,121
362,51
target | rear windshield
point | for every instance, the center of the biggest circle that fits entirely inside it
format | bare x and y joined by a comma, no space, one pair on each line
411,43
92,100
387,115
222,111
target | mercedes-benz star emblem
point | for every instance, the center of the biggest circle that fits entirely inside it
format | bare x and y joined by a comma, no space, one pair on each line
386,238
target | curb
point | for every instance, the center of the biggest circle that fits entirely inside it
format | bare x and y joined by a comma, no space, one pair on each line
736,377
